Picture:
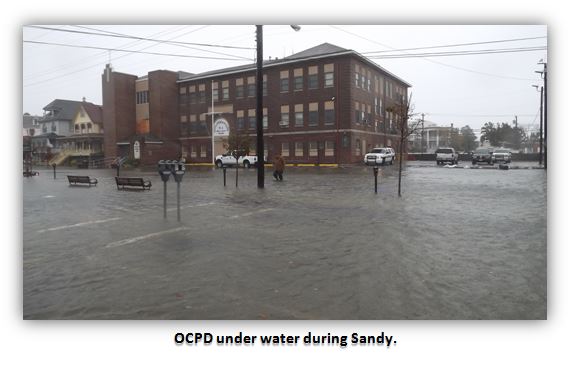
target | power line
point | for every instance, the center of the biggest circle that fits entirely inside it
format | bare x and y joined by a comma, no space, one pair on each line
132,51
453,45
117,35
101,54
117,58
437,62
460,53
171,42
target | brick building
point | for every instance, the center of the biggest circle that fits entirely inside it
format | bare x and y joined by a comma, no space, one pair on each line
140,116
322,105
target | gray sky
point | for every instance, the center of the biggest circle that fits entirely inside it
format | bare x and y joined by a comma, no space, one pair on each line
463,90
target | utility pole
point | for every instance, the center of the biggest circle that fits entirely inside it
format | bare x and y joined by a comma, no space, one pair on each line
259,131
541,124
545,115
544,75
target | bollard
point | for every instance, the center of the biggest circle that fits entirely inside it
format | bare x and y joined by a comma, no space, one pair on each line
375,171
224,175
117,167
54,166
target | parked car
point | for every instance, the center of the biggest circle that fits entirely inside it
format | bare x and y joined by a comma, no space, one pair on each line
502,155
378,156
229,159
483,155
443,155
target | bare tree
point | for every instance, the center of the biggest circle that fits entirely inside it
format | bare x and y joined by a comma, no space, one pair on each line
404,112
238,146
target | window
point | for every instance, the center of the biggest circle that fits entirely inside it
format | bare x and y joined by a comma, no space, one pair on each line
313,77
313,114
357,113
142,97
285,149
284,116
298,79
53,127
264,118
203,151
202,123
183,94
358,147
251,86
202,94
183,118
284,81
313,149
193,126
193,151
329,113
329,148
192,94
328,75
77,128
357,79
225,93
299,149
252,119
299,115
264,89
240,120
239,87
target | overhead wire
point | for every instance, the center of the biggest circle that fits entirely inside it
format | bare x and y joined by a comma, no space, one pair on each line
437,62
134,51
173,43
453,45
118,35
97,54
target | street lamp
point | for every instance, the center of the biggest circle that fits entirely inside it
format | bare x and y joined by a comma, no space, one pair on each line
259,131
541,121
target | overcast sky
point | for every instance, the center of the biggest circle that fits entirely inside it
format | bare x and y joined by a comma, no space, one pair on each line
470,89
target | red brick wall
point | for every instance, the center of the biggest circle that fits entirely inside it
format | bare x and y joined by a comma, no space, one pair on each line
118,110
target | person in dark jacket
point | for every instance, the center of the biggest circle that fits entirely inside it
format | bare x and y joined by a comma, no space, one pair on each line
278,167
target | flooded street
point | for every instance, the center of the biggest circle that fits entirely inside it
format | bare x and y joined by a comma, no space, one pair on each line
460,244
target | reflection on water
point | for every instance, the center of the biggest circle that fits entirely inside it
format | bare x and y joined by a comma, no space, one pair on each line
459,244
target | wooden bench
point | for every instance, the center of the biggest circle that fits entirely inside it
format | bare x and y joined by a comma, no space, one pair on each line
82,180
132,182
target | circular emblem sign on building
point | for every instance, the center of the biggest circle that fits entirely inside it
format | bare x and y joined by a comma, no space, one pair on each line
221,127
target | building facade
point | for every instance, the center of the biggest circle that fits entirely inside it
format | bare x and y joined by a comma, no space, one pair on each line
85,144
140,116
55,124
322,105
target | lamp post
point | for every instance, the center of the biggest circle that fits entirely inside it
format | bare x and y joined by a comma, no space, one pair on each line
259,130
540,152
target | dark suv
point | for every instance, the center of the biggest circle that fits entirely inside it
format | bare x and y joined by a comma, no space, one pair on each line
483,155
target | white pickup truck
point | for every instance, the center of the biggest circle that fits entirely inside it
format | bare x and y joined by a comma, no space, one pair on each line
228,159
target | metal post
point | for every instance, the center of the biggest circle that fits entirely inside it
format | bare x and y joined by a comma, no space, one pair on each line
54,166
118,166
165,199
224,175
540,152
212,120
179,201
259,131
545,114
375,171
